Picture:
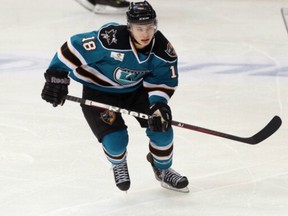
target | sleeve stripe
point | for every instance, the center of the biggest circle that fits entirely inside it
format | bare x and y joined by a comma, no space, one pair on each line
160,91
69,55
88,75
160,94
150,85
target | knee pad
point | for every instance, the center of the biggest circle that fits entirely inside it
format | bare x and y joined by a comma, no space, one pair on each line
115,143
160,138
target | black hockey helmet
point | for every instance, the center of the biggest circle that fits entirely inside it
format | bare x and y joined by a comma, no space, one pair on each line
141,13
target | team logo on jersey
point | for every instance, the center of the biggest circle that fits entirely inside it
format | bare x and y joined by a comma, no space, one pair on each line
127,76
170,50
108,117
110,36
117,56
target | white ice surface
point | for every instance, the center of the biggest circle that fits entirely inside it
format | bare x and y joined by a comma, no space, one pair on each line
233,78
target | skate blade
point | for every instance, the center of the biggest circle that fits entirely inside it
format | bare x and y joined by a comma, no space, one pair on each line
182,190
105,9
86,4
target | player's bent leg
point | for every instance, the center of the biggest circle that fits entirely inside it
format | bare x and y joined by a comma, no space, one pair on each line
160,157
114,145
161,147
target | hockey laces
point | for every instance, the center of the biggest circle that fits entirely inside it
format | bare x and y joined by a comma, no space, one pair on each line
121,173
171,176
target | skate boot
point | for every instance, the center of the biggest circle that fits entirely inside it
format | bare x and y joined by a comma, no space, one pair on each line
105,6
169,178
121,176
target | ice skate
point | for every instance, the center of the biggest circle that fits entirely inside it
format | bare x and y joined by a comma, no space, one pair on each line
169,178
121,176
88,4
105,6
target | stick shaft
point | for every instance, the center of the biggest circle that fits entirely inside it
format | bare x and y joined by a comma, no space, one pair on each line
263,134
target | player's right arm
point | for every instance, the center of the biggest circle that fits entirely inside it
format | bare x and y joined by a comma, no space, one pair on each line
77,51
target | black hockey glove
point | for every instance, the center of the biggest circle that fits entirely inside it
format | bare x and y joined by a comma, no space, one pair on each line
56,87
161,117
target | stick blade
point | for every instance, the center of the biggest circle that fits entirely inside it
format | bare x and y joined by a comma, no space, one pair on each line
284,12
266,132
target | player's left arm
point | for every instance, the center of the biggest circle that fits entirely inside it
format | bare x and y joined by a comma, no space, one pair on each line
161,85
162,82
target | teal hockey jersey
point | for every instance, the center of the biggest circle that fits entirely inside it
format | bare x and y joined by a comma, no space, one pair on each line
107,60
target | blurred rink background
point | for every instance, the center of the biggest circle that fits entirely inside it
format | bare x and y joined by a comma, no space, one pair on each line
233,78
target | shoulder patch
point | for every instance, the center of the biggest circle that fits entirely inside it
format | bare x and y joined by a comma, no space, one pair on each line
114,37
110,36
170,50
163,48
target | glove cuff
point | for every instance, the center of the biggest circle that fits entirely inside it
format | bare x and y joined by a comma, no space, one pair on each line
57,77
57,73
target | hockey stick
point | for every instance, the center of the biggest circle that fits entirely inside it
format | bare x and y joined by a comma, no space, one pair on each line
284,12
263,134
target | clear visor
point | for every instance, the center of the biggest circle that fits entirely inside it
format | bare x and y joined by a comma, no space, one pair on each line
148,22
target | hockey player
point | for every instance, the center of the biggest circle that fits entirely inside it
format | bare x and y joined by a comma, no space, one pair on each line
105,6
131,66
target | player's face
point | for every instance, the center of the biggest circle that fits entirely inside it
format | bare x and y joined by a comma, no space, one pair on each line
143,34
